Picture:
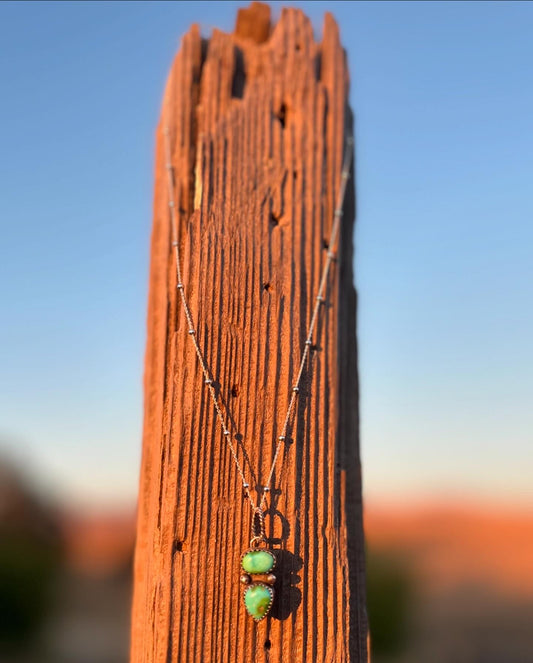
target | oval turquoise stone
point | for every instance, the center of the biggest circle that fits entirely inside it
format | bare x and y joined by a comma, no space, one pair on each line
258,561
257,599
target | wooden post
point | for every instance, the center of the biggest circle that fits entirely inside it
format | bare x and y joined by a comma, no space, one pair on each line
258,121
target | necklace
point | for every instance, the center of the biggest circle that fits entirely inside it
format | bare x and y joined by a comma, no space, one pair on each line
258,561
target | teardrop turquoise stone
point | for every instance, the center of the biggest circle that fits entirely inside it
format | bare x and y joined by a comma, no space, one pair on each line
258,561
257,599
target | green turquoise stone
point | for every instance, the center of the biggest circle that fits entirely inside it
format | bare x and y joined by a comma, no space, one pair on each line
258,561
257,599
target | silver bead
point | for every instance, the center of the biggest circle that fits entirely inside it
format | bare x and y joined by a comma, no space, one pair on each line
266,489
246,485
227,432
320,298
281,438
180,287
296,389
191,331
209,381
308,342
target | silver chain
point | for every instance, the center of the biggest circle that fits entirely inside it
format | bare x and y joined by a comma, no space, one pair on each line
320,298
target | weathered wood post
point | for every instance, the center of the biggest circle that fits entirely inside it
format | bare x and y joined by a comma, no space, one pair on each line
258,121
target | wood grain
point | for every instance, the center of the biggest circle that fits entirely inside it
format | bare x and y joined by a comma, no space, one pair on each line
258,120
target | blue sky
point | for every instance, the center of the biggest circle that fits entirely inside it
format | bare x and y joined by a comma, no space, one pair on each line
444,128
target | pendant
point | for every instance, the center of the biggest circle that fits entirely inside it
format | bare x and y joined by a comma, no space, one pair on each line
257,564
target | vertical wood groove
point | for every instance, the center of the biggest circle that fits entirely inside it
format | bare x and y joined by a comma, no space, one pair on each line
258,121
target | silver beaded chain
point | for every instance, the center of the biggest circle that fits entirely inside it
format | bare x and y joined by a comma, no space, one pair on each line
257,509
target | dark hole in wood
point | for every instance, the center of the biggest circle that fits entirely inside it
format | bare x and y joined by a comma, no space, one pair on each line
298,47
235,391
268,644
178,546
274,220
318,67
239,76
325,243
266,286
295,174
282,115
203,55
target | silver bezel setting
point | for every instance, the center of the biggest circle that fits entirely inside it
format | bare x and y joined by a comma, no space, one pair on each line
267,550
271,591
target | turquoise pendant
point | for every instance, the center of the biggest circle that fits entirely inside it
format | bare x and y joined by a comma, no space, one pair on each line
258,561
257,564
258,599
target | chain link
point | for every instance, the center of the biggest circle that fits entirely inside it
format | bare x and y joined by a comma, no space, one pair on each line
259,508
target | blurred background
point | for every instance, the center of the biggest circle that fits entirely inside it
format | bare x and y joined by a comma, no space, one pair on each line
444,142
